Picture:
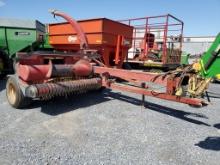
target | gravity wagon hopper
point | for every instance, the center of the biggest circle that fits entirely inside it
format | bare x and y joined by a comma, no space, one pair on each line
77,67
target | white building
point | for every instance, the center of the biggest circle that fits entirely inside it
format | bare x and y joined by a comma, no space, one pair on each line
197,45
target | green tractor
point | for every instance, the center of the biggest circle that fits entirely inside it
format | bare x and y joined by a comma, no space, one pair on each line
208,65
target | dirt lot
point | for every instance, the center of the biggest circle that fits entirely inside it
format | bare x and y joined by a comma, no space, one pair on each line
110,128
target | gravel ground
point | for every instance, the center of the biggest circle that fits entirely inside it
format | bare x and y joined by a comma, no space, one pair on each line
109,128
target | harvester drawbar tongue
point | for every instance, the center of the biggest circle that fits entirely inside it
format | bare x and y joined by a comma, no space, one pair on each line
46,75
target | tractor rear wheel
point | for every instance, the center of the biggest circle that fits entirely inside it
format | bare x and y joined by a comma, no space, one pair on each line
2,64
14,94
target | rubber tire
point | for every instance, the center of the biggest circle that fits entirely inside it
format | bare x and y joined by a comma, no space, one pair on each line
20,100
2,57
127,66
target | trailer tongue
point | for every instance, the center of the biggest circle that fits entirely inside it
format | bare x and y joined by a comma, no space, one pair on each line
41,75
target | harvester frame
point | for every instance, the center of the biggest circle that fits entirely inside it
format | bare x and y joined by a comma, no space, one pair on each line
41,75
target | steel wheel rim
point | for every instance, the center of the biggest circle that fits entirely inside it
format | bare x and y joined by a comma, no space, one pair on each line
11,93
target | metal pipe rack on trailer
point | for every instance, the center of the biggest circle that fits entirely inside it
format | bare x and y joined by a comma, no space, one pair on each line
156,42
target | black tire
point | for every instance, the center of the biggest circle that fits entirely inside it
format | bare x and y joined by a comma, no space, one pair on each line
2,61
7,64
127,66
14,94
